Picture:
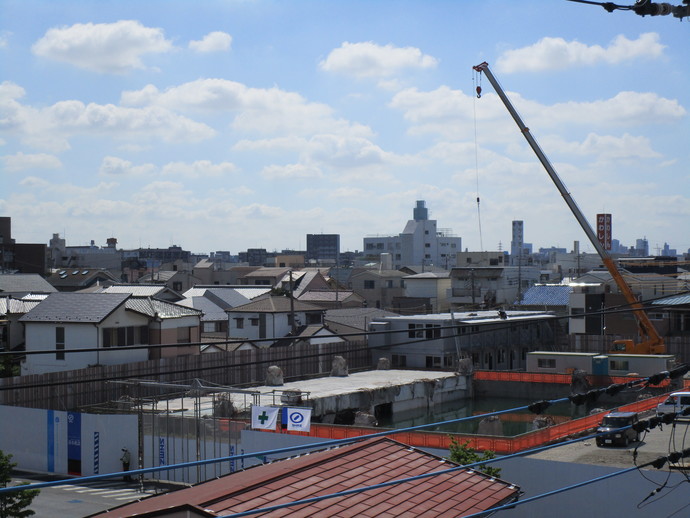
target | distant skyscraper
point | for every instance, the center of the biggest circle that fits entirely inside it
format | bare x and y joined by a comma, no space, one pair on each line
323,247
519,250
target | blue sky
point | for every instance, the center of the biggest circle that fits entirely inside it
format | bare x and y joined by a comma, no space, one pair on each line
227,125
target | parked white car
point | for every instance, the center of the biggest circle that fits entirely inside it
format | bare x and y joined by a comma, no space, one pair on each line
676,402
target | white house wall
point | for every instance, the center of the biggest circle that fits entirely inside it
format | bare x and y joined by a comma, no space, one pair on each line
41,336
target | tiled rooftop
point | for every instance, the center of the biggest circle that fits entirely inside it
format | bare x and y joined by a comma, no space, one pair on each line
367,463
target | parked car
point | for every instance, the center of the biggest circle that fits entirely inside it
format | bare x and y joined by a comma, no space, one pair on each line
611,423
675,402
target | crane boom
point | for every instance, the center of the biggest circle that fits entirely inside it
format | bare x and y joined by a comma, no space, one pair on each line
651,343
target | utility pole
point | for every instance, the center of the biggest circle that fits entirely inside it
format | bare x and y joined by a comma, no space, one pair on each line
292,307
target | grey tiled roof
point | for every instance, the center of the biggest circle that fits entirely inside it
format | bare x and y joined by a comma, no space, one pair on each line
137,291
76,307
25,283
274,305
211,312
152,307
676,300
546,296
356,317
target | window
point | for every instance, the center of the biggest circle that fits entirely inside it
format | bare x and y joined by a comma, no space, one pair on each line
433,362
59,343
107,334
379,246
369,285
399,360
619,365
415,330
239,323
184,335
433,331
254,322
546,363
177,286
389,284
427,245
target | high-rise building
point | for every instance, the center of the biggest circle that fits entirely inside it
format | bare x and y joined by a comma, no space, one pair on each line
323,248
420,243
520,251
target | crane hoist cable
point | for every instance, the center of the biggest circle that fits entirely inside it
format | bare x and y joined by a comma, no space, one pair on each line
477,77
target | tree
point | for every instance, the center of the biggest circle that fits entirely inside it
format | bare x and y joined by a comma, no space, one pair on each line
13,504
462,453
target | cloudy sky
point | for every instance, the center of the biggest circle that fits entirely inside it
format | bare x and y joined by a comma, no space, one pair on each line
234,124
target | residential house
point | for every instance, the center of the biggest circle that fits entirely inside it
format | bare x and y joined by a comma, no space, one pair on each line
269,319
264,276
156,291
17,285
176,280
11,330
493,339
332,299
459,492
547,297
428,290
211,272
101,323
75,279
378,287
490,286
213,301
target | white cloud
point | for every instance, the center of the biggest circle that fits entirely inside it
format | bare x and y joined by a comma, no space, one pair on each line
450,112
368,59
258,110
4,39
117,166
112,48
199,169
20,162
556,53
212,42
290,172
52,127
606,147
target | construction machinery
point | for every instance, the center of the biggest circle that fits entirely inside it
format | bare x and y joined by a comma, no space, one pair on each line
650,340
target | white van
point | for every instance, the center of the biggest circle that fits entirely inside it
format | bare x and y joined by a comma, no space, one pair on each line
676,402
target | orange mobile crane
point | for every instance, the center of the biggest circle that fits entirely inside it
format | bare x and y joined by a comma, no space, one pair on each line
651,342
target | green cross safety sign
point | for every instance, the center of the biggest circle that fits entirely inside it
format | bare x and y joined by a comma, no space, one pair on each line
263,417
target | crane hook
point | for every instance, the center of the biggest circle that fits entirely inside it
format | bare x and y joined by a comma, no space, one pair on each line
479,92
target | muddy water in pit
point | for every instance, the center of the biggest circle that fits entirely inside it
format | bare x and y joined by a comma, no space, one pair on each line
513,423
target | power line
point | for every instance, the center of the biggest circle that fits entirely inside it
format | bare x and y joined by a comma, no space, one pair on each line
536,407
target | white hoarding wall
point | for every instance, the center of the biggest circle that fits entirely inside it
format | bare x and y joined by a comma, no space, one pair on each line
67,443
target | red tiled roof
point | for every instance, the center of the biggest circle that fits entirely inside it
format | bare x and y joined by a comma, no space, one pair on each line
348,467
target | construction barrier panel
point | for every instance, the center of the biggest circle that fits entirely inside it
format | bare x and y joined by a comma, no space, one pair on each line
566,379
